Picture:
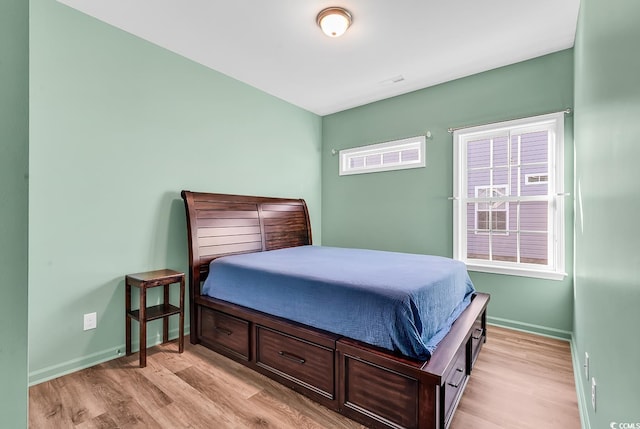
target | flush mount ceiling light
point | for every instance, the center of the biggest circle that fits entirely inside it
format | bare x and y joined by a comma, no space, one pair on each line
334,21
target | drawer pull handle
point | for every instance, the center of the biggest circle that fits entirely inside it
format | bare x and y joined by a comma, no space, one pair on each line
222,330
291,357
479,336
455,386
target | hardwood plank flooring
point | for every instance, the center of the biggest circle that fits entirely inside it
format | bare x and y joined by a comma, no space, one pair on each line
520,380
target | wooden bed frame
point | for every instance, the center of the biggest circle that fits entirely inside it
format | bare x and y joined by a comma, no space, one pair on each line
373,386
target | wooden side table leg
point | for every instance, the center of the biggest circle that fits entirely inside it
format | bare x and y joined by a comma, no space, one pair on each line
143,326
165,320
127,318
181,324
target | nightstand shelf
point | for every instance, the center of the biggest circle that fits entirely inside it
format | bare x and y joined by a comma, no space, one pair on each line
144,314
156,312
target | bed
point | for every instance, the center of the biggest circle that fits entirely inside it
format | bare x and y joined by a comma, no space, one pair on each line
391,383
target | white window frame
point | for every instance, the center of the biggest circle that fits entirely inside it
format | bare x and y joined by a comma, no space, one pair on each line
554,124
379,149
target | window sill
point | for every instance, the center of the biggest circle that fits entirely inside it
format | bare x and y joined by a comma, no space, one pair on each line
522,272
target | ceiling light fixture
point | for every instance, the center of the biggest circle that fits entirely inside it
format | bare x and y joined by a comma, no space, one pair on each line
334,21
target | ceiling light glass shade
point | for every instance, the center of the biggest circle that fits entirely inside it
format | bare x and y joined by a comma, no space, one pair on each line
334,21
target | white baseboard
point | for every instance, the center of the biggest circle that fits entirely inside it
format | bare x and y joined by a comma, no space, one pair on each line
529,327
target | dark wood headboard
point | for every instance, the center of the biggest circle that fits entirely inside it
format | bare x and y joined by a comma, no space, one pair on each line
221,224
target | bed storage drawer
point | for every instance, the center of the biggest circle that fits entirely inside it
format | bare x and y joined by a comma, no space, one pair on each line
378,396
477,339
454,383
304,363
225,333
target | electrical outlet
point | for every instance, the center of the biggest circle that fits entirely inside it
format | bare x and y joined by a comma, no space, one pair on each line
90,321
593,393
586,365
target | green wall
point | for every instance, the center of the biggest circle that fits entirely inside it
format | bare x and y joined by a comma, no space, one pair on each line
607,262
118,128
409,211
14,152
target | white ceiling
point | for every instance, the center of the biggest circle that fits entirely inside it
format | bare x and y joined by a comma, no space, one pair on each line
276,46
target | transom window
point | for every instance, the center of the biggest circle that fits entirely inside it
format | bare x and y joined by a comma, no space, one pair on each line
508,197
391,155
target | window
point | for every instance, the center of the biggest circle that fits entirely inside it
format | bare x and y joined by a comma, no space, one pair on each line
536,179
508,197
495,214
392,155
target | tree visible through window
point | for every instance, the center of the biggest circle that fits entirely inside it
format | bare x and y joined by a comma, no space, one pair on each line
508,209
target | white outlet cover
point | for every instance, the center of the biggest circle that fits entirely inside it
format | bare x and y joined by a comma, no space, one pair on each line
90,321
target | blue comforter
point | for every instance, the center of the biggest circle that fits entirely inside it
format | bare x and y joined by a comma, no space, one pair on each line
401,302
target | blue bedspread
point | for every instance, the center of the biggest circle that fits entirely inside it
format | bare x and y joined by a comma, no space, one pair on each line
401,302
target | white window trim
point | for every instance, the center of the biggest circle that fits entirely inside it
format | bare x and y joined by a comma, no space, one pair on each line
418,143
555,270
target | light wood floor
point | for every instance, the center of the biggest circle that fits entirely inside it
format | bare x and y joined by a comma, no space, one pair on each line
519,381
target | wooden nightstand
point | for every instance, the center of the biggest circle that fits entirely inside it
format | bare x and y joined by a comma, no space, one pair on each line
144,281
